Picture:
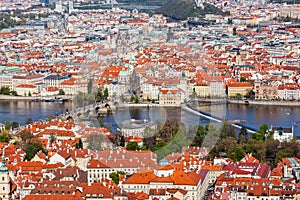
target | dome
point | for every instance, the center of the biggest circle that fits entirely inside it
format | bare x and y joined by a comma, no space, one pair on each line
123,72
3,167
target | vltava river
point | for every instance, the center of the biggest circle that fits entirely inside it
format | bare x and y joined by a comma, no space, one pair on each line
254,115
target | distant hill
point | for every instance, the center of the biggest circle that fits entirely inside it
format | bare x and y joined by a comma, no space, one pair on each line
182,9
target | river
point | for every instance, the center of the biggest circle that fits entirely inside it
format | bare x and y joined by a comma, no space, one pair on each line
254,115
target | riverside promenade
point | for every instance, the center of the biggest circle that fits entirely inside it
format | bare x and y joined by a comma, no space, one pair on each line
263,102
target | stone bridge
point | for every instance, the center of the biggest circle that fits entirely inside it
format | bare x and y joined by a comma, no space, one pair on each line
91,111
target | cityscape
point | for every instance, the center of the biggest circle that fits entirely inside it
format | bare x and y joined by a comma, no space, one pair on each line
149,100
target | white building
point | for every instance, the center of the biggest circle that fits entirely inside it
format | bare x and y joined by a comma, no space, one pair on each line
283,134
165,178
217,89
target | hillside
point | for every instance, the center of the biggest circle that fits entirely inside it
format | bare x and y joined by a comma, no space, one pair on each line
182,9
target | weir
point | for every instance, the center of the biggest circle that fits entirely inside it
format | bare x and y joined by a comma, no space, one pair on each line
215,118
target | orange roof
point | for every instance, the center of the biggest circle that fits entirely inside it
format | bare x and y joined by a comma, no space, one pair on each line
52,197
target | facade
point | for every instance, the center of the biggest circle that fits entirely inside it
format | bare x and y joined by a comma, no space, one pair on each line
138,128
54,80
27,90
202,90
265,92
216,89
170,97
6,81
165,178
283,134
241,88
33,79
289,92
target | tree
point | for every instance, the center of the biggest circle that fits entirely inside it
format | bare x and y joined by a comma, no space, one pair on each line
99,95
132,146
5,136
260,134
106,94
7,125
236,154
243,137
26,136
15,124
90,86
5,90
242,79
52,138
99,119
115,176
31,148
50,118
14,93
94,141
79,145
29,93
28,121
61,92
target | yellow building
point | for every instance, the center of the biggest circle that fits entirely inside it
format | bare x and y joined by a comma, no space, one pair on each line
241,88
202,90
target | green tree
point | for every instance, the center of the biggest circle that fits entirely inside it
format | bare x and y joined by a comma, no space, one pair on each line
236,154
29,94
52,138
243,136
28,121
7,125
15,124
5,136
242,79
61,92
106,94
132,146
115,176
99,95
50,118
31,148
90,86
99,119
26,136
14,93
5,90
79,145
260,134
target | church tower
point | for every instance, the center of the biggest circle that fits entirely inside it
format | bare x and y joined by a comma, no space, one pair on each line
4,180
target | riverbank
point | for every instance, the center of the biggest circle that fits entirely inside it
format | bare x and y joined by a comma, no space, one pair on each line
141,105
24,98
265,103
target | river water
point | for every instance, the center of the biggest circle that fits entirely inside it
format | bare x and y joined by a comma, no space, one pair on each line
254,115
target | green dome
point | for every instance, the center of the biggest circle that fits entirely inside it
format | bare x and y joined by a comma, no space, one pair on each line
3,167
123,73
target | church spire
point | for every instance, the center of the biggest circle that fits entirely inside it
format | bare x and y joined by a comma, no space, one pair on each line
3,167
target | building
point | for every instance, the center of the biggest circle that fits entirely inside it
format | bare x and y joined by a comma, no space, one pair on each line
202,89
138,128
216,88
283,134
170,97
27,90
5,192
241,88
165,178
